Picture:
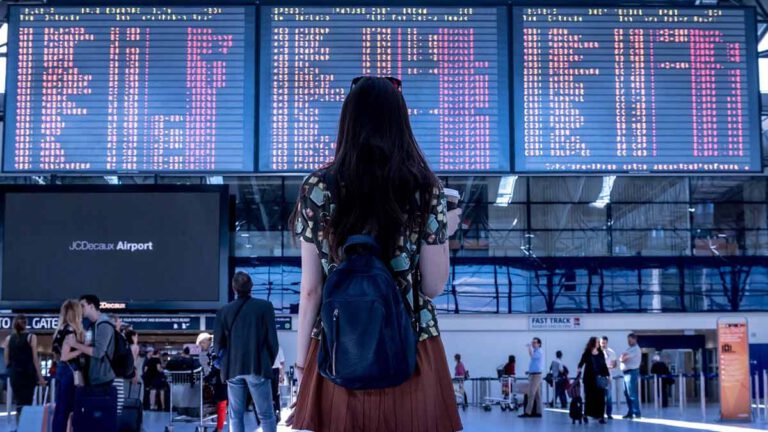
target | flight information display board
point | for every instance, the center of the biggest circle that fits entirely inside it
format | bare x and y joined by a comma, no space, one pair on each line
453,62
130,89
635,89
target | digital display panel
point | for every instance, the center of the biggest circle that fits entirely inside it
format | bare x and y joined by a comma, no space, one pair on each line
635,89
453,62
153,247
130,89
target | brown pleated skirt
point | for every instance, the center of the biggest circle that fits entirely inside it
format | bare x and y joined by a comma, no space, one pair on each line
424,403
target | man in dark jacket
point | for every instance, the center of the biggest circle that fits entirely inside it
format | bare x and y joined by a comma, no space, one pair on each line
246,336
661,369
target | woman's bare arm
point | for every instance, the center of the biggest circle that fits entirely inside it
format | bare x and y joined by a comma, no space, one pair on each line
309,302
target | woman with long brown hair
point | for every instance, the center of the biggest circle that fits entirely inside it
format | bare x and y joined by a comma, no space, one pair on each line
69,370
596,379
23,365
379,184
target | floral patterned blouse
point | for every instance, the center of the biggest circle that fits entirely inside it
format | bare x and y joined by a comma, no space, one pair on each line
315,209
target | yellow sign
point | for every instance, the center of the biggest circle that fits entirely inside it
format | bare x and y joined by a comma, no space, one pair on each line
733,358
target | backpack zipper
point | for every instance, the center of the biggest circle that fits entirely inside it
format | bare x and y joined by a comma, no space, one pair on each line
335,339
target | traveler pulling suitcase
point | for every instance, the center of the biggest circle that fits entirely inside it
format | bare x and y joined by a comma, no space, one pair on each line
132,417
95,409
38,417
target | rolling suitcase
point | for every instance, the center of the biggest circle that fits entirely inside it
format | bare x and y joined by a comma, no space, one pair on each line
37,417
132,417
95,409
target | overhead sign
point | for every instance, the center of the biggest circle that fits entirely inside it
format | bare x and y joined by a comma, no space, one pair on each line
138,322
733,356
156,323
34,322
554,322
282,322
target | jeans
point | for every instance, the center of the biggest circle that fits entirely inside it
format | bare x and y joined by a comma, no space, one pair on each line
560,384
631,392
260,389
65,396
609,399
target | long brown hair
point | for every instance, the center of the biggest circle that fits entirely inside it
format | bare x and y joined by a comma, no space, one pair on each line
19,323
591,344
379,177
71,313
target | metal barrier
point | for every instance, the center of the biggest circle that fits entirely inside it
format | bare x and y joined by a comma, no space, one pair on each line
8,399
765,395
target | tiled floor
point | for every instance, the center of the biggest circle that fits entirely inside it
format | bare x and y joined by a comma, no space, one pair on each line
477,420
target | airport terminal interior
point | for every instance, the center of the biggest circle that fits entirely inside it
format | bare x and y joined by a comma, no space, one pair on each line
608,158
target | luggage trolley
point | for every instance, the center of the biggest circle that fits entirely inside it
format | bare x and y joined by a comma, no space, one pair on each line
187,389
507,401
460,393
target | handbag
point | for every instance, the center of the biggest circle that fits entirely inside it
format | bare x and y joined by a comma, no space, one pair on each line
549,379
603,382
77,375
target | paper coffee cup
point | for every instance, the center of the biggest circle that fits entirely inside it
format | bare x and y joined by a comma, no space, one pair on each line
452,196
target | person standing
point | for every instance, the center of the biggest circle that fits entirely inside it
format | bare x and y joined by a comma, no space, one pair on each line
210,362
133,341
560,379
247,336
535,369
380,184
462,374
509,367
154,378
20,354
594,371
70,364
661,370
459,371
612,361
630,366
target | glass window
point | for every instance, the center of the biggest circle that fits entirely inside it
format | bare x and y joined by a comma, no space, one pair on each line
650,189
567,216
655,242
569,243
650,216
565,189
728,189
277,283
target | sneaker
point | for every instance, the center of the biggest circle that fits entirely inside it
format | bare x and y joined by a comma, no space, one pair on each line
628,417
638,416
535,415
610,417
523,416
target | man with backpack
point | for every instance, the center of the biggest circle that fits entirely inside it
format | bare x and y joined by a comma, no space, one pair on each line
246,338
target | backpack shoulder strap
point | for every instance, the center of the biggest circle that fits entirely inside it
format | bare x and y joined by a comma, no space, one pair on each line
114,341
232,325
234,317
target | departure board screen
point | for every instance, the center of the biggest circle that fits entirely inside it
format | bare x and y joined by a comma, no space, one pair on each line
635,89
130,89
453,63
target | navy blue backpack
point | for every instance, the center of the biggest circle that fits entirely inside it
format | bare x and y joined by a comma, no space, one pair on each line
369,337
